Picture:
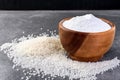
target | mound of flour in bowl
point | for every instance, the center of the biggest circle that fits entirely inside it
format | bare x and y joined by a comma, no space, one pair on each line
44,55
86,23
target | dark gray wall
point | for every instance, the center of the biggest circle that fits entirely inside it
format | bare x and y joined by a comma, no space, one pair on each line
58,4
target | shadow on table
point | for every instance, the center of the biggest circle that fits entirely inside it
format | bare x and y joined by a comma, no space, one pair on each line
114,51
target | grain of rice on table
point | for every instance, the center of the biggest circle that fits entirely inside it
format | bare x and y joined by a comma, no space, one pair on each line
44,55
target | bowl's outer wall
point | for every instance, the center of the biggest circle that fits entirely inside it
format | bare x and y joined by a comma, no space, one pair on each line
86,46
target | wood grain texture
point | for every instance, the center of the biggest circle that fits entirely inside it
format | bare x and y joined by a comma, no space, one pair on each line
84,46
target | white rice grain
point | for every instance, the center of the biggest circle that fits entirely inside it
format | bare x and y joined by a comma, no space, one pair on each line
43,55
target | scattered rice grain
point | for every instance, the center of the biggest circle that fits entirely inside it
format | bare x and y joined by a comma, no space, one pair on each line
44,55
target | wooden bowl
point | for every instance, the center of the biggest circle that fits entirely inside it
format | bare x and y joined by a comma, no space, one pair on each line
85,46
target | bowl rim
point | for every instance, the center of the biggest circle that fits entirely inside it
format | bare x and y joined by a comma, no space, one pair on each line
91,33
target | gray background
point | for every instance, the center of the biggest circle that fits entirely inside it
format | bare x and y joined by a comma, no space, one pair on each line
14,23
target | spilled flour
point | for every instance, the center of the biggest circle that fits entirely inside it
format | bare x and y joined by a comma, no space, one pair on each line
44,55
